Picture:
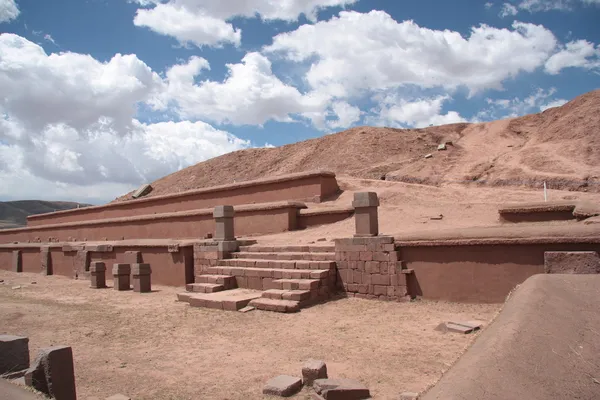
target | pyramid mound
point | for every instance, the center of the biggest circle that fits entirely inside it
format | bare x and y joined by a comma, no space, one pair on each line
560,146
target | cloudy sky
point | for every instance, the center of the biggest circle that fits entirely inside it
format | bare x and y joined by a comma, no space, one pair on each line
99,96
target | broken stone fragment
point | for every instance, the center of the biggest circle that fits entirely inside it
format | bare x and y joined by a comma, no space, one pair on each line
283,385
312,370
52,373
341,389
14,353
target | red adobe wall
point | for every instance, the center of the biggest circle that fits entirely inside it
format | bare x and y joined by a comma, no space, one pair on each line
249,219
484,265
311,186
171,265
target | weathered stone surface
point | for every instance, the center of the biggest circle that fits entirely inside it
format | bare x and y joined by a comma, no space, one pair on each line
17,261
223,216
46,261
14,353
53,373
365,199
121,276
313,369
283,385
141,278
97,275
571,262
459,326
341,389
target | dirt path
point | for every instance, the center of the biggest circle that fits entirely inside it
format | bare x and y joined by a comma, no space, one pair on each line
152,347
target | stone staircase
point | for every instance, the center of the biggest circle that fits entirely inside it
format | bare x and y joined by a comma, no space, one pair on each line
270,278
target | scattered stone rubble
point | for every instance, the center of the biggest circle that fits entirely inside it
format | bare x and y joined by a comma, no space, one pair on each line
314,375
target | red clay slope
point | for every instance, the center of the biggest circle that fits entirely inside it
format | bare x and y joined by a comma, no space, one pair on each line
560,146
544,345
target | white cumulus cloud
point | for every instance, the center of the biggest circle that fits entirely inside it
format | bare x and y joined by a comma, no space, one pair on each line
579,53
68,123
205,22
8,10
250,94
355,52
415,113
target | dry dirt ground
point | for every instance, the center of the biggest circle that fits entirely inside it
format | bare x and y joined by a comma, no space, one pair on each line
151,347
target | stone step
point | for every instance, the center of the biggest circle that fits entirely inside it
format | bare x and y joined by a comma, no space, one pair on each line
227,281
228,300
285,256
204,287
295,295
280,264
289,249
295,284
275,273
284,306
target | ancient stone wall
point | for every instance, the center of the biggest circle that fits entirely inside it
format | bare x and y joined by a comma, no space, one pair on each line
309,186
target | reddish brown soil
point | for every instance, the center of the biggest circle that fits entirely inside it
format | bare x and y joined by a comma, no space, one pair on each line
560,146
149,346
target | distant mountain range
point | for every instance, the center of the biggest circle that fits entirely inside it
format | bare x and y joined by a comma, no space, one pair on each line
13,214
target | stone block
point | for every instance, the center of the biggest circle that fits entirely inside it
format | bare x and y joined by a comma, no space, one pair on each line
17,261
97,275
571,262
365,199
312,370
46,261
227,246
133,257
121,276
141,278
223,212
14,353
53,373
283,385
341,389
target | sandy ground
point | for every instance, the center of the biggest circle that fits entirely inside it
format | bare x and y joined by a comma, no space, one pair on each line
152,347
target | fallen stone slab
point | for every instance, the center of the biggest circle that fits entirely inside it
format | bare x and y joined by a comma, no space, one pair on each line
247,309
312,370
53,373
283,385
459,326
341,389
14,353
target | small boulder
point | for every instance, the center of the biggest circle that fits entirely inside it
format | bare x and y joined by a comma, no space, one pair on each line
428,155
313,369
118,396
341,389
283,385
409,396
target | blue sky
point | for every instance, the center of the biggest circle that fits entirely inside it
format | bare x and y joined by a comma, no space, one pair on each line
99,96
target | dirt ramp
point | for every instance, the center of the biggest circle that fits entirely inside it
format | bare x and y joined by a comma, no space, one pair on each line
545,344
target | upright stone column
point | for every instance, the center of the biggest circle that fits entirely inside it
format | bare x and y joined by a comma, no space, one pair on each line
121,276
17,261
141,278
365,214
223,216
98,275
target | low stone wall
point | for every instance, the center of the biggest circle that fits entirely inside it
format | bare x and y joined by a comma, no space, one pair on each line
369,268
537,212
172,262
309,186
249,219
484,265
